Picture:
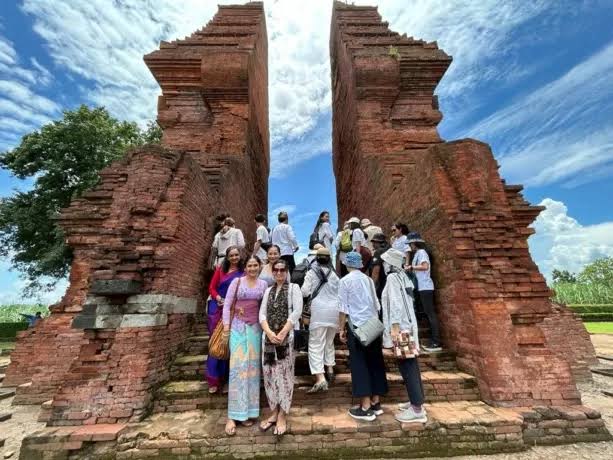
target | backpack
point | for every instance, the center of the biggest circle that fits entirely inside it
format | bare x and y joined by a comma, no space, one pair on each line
314,238
300,271
346,243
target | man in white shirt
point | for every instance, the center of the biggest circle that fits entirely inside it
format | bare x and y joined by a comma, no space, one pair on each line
226,237
370,230
261,237
283,236
359,302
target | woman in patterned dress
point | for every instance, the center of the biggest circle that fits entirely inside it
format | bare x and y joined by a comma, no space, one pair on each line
279,315
245,345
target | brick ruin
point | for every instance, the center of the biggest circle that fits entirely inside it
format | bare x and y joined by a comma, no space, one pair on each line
142,237
493,303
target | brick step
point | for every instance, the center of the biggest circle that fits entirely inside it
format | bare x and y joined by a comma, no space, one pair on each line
184,395
192,366
327,431
2,378
197,345
7,393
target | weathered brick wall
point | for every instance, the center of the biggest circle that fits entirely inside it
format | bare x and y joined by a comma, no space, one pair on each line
493,303
143,235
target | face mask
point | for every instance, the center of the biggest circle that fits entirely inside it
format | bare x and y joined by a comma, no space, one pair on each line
387,268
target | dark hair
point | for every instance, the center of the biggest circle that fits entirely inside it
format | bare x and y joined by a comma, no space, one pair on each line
402,227
323,260
260,218
280,261
225,267
320,219
282,216
254,257
276,246
354,225
229,222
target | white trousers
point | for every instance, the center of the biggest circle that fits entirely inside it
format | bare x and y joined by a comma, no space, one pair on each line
321,348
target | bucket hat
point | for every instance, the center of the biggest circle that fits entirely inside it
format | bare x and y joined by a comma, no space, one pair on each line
353,220
394,257
353,260
414,237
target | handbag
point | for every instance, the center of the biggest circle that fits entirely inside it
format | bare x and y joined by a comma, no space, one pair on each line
373,328
219,343
405,347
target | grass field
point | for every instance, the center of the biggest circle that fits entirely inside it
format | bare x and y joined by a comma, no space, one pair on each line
599,328
583,294
10,313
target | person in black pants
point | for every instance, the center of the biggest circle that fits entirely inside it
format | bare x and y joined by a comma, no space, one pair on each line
401,334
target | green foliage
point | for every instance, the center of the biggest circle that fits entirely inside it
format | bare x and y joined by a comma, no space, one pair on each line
10,330
599,328
63,158
598,272
11,313
563,276
583,293
393,51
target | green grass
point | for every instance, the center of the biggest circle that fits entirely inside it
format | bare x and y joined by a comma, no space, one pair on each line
583,293
7,345
10,313
599,328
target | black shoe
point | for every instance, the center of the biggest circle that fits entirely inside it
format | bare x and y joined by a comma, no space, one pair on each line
376,408
361,414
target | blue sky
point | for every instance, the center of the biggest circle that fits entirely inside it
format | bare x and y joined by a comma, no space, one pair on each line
530,78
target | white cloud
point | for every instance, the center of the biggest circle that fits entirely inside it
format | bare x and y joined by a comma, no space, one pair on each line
562,130
563,243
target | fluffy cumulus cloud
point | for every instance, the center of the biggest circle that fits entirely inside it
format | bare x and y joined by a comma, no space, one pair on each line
22,109
563,243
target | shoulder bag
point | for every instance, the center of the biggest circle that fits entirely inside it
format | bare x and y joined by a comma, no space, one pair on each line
219,343
372,329
404,347
306,309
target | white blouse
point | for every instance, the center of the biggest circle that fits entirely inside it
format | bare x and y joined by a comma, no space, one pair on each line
325,307
294,299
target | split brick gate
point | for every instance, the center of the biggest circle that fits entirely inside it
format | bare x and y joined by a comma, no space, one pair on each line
141,238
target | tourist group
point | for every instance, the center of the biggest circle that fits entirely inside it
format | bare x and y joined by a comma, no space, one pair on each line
270,309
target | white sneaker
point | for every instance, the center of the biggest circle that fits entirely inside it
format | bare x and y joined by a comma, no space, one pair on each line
410,416
407,405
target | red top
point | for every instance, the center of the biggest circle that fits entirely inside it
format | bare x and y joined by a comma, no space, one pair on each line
218,277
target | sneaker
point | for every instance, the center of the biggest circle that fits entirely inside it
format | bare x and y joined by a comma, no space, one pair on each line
434,348
376,408
407,405
410,416
361,414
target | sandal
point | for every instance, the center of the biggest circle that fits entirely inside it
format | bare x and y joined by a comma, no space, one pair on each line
230,430
321,386
265,426
212,390
247,423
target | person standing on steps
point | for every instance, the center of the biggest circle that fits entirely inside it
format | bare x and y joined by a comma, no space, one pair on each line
323,230
421,266
283,236
273,254
321,289
262,239
350,239
376,271
401,331
399,239
244,296
358,306
231,268
228,236
280,314
370,231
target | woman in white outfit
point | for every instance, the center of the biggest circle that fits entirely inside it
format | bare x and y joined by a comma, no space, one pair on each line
321,285
324,230
398,318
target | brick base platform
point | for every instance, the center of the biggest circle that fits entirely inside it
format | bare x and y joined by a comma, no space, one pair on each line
454,428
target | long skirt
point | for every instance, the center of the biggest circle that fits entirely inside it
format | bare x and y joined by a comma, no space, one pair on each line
245,358
279,379
216,369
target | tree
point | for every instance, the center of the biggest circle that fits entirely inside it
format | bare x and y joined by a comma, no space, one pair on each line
63,159
563,276
599,272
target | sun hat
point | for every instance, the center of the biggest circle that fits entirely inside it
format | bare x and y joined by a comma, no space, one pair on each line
365,222
414,237
353,220
323,251
378,238
394,257
353,260
317,246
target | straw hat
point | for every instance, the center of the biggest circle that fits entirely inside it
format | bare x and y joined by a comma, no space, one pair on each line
353,220
323,252
365,223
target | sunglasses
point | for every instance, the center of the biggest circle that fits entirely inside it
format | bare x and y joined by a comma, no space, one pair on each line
279,270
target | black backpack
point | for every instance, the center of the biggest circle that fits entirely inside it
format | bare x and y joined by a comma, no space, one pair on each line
300,271
314,238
